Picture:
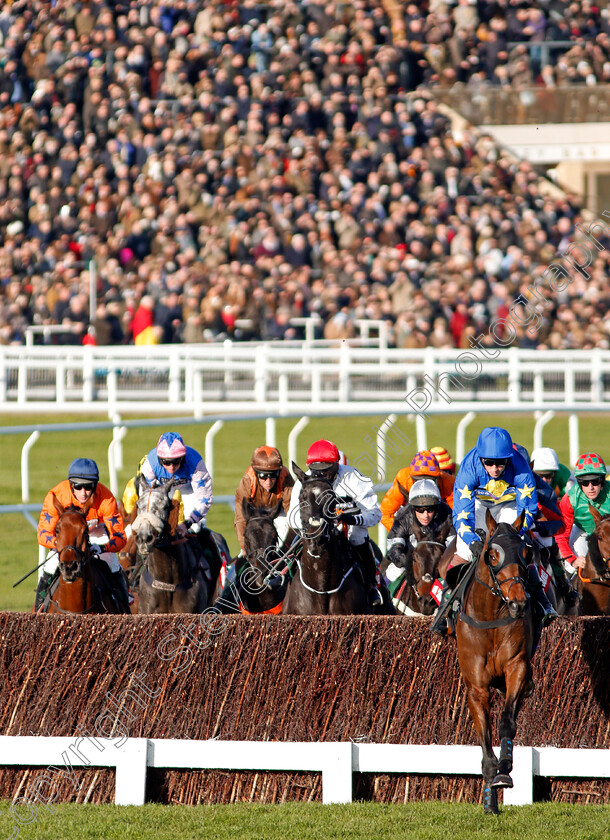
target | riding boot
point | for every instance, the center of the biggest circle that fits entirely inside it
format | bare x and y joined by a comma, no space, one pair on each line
566,591
368,564
42,589
536,588
120,588
440,624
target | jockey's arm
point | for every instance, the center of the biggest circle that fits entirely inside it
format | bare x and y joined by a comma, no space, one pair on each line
360,489
463,509
201,483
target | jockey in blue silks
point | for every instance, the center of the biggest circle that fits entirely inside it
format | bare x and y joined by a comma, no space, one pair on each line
495,477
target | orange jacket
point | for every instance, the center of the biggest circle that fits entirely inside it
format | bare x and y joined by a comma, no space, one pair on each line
394,499
250,488
103,511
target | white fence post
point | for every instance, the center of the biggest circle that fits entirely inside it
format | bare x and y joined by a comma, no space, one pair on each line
115,459
270,431
337,773
541,421
460,436
574,441
292,440
209,445
25,466
131,767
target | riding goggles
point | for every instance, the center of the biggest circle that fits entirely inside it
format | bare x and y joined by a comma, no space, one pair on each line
547,476
170,462
426,508
592,482
263,476
494,462
88,486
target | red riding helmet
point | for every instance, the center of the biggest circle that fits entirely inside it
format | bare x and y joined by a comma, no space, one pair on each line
322,453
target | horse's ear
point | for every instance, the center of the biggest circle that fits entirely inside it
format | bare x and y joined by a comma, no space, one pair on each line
597,516
404,491
57,504
247,508
490,523
299,473
275,511
141,484
518,523
445,529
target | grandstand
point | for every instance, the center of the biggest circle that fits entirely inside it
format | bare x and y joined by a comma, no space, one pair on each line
186,172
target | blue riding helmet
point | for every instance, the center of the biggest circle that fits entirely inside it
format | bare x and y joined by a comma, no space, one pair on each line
494,442
85,469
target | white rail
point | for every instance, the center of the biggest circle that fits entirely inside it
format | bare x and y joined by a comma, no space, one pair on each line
337,761
294,376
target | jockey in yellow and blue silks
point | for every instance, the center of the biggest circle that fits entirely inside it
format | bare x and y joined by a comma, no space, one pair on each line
496,477
493,476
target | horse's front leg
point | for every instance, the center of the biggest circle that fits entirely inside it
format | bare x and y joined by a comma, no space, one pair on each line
518,678
478,703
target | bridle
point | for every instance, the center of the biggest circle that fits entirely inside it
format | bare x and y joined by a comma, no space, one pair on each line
496,587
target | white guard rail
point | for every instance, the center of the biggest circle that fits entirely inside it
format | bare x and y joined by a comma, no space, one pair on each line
337,761
297,376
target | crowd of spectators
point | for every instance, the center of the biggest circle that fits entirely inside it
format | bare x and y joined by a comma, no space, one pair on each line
229,167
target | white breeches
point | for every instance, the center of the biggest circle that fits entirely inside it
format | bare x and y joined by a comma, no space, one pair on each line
506,512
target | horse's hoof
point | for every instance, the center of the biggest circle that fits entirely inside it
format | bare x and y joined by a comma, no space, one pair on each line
502,780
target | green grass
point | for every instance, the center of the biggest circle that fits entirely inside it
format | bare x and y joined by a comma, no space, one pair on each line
52,453
297,821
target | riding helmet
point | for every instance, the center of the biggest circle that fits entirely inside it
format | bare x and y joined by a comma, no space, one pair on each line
171,445
266,458
544,459
424,464
84,469
424,492
494,442
444,459
589,464
322,453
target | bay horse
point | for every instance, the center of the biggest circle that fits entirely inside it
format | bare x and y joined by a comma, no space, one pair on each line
172,579
327,580
594,579
412,597
83,586
495,641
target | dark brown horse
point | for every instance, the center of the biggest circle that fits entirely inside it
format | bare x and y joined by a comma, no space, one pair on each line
495,640
172,579
327,580
262,571
594,579
412,597
83,586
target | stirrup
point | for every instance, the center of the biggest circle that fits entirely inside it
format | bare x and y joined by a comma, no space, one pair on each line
375,597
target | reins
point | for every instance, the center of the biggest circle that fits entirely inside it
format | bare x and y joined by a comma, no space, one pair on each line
496,590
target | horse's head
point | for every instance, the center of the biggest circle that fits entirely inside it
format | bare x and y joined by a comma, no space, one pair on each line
426,555
317,504
154,507
599,543
260,535
505,555
72,540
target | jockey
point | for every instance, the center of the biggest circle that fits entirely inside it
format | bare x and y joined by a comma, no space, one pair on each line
171,458
425,507
323,460
592,489
423,465
549,522
445,461
494,477
104,521
545,463
265,483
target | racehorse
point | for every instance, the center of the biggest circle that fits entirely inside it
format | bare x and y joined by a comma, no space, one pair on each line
412,592
262,576
172,579
327,580
594,579
83,586
495,640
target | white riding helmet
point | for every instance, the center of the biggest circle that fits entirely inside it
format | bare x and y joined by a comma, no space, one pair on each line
544,459
424,492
